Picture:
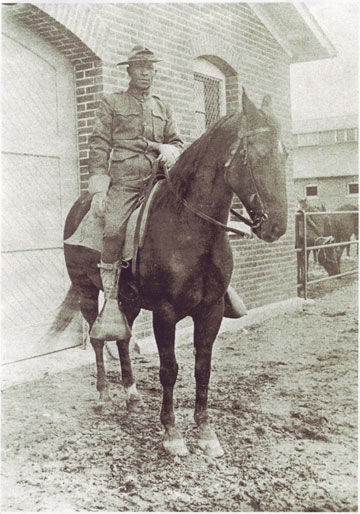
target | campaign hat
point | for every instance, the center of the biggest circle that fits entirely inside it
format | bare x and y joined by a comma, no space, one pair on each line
140,54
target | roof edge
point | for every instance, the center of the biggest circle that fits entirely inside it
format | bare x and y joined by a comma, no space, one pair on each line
314,43
316,29
259,10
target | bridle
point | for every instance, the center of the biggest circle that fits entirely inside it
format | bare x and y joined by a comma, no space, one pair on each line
257,219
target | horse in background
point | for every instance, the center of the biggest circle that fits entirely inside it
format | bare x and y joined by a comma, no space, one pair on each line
318,232
185,263
343,227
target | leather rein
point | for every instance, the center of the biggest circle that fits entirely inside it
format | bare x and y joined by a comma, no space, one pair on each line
258,218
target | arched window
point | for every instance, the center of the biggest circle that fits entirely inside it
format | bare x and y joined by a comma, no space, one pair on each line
209,94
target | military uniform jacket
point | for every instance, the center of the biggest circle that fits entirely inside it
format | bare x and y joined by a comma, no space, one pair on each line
126,124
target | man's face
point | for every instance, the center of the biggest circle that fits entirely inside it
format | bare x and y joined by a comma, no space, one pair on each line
141,74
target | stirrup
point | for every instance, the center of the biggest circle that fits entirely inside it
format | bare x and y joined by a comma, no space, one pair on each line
111,324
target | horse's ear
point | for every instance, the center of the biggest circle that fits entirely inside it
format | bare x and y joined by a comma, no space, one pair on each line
303,202
249,109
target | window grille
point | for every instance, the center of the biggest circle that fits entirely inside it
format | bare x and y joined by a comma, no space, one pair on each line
207,102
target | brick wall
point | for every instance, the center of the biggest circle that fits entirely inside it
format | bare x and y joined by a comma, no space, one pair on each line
96,36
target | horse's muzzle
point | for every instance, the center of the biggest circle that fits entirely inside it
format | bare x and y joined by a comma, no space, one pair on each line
269,232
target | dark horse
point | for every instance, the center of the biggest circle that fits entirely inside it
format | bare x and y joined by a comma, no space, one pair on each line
185,264
318,232
343,226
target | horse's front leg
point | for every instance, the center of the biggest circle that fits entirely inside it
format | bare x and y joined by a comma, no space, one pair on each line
206,327
164,330
339,251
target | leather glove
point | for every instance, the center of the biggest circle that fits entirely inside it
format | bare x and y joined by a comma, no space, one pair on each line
168,154
98,204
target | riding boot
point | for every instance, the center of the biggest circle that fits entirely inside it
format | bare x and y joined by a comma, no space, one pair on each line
111,324
234,306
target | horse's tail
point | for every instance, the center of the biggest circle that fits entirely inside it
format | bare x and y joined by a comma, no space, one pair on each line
66,312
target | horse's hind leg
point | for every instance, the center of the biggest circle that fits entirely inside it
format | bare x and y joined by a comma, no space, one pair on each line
102,384
89,309
164,330
206,328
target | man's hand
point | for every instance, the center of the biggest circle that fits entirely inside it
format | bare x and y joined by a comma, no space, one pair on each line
98,204
167,154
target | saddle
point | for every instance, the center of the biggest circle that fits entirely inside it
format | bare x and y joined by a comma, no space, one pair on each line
89,233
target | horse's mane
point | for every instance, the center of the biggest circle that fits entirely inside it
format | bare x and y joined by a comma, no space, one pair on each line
189,162
207,148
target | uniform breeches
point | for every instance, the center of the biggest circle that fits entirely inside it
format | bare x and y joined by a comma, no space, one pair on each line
128,183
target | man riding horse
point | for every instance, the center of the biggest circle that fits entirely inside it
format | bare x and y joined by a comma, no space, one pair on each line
134,132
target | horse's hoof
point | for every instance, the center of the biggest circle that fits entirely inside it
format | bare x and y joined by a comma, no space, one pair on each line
175,447
211,447
104,403
105,397
135,406
134,402
102,407
209,442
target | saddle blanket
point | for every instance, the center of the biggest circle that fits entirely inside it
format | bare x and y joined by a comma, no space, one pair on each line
90,230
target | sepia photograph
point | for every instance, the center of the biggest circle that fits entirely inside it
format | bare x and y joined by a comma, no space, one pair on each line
179,259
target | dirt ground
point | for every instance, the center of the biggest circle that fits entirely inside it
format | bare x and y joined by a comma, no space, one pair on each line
283,399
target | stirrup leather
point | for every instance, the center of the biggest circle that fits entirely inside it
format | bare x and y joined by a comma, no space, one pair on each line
110,274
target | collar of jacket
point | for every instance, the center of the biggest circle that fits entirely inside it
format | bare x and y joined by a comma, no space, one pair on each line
138,93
